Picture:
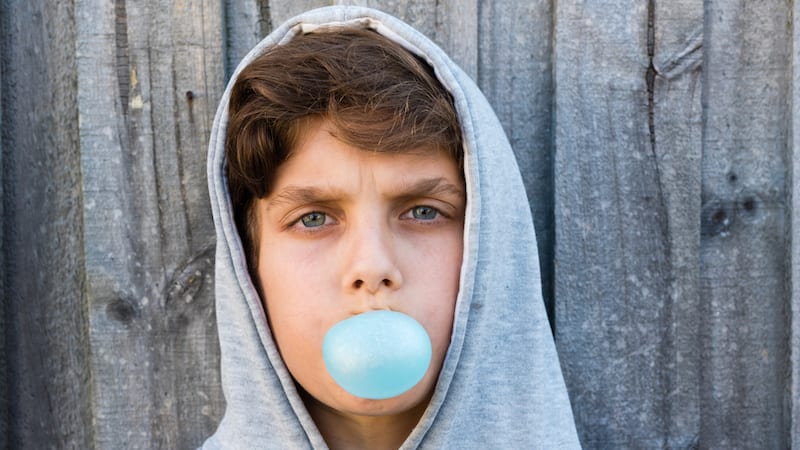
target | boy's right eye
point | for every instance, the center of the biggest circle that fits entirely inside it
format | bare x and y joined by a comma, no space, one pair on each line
313,219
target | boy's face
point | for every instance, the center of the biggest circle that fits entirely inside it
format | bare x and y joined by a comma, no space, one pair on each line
346,231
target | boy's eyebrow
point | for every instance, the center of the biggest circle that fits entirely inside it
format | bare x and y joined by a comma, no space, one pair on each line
311,194
432,186
300,195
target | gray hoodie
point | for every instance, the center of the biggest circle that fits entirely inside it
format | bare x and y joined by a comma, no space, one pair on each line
500,385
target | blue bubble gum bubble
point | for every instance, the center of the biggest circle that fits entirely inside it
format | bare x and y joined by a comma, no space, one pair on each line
378,354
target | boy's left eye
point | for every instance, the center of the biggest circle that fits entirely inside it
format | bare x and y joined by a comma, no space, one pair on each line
424,212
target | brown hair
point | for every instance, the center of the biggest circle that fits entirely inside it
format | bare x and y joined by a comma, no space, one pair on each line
377,96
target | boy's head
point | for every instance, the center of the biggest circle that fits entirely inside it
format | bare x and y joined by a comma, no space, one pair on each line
344,166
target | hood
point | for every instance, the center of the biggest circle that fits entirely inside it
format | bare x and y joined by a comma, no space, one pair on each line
500,385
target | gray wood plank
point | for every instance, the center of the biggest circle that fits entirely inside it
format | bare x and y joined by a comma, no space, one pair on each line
150,75
675,81
187,256
457,33
794,304
744,254
47,347
3,352
112,290
246,23
612,240
515,72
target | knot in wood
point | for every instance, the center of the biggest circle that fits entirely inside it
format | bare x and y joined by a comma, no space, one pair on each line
121,310
748,205
716,218
185,299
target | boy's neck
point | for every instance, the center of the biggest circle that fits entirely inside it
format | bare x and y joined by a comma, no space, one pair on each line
350,431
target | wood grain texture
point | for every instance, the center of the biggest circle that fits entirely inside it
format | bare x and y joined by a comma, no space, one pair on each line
456,31
794,304
675,84
246,23
47,353
3,351
515,72
714,337
743,257
149,264
612,239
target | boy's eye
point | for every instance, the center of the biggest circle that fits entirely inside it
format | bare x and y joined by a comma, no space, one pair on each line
313,219
424,212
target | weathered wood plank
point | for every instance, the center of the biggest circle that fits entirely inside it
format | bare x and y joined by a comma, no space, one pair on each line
675,79
108,219
612,241
3,351
246,23
456,31
794,304
515,73
744,243
48,403
150,75
188,297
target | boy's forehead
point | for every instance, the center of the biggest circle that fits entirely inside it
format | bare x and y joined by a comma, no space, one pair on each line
322,166
321,129
319,138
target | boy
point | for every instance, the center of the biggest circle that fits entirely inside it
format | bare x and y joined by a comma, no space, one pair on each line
352,189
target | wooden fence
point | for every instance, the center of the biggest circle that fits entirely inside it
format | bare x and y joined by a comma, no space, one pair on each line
657,140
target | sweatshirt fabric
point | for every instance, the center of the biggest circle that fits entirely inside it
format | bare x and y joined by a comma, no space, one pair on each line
500,385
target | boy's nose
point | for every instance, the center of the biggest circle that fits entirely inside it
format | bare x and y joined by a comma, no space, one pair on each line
370,262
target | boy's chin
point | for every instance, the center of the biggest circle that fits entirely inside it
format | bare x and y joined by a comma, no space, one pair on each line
342,402
413,399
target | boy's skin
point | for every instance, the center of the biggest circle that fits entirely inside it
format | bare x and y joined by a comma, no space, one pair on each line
345,231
